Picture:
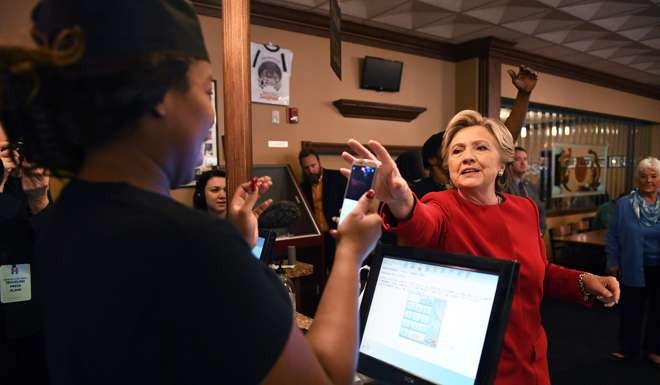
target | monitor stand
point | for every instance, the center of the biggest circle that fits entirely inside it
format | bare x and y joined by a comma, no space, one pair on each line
361,379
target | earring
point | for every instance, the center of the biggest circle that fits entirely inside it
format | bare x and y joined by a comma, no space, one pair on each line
500,173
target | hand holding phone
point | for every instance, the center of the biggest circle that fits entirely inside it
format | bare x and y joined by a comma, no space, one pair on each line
359,182
391,189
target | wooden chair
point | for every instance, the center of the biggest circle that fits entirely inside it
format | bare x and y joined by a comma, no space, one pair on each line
583,225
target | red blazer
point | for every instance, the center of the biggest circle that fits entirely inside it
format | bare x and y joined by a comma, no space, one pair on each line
446,221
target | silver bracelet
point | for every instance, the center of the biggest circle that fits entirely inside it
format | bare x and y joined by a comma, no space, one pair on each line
583,290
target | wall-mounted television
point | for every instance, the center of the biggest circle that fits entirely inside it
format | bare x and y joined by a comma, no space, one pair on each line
381,74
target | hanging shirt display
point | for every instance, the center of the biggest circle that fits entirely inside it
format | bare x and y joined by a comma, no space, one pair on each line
271,73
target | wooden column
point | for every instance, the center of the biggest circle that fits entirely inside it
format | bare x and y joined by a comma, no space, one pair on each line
236,91
489,86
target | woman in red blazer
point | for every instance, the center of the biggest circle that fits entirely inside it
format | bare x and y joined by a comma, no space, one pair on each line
475,218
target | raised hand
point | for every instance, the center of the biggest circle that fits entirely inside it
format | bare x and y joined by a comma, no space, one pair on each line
525,79
35,182
389,185
242,212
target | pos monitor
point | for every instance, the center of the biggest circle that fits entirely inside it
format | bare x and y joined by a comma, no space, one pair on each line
263,250
429,317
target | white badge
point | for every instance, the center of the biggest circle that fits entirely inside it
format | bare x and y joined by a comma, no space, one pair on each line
15,283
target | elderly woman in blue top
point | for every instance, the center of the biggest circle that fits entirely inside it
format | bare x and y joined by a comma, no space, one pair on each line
633,251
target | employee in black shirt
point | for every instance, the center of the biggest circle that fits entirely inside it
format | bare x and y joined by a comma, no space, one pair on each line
138,289
23,203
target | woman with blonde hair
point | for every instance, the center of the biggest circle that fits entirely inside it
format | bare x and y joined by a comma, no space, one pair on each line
633,253
475,218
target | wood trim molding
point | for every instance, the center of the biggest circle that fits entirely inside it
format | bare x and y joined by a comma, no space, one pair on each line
205,9
328,148
371,110
482,84
274,16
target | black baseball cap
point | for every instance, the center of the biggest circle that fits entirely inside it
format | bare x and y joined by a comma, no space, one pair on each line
119,30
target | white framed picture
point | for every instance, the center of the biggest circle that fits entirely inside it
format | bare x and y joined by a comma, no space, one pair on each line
270,73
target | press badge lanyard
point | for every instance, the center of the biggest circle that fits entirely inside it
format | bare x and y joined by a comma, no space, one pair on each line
15,283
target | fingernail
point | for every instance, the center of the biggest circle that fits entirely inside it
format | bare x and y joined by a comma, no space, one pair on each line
371,194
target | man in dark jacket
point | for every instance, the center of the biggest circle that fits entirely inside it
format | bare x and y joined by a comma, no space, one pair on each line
324,191
521,187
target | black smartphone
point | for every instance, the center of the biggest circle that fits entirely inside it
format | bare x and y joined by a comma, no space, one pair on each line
360,181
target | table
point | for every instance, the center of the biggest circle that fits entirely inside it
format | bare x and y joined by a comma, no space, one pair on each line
584,251
300,270
591,238
303,321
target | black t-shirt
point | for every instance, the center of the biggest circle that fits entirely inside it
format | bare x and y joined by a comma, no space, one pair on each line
22,358
17,234
139,289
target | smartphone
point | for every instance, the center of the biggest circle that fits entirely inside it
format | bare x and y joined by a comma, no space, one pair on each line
360,181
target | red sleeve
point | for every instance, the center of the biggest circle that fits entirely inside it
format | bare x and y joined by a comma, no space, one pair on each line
425,226
562,283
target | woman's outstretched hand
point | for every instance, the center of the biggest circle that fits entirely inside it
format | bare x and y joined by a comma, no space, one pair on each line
389,185
605,289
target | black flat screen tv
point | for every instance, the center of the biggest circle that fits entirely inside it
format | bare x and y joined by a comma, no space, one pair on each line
381,74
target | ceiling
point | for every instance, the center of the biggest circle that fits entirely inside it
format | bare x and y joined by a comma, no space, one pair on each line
617,37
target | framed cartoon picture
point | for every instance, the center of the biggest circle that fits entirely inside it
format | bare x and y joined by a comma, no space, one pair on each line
578,169
210,150
270,73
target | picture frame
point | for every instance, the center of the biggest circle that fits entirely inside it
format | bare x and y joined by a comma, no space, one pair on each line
578,170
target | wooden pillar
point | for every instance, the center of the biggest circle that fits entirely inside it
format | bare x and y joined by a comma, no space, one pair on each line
489,86
236,91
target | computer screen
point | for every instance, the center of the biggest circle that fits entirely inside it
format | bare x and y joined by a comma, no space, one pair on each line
429,321
263,250
259,247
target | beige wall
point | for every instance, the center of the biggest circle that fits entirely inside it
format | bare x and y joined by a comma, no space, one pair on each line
425,82
15,22
559,91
